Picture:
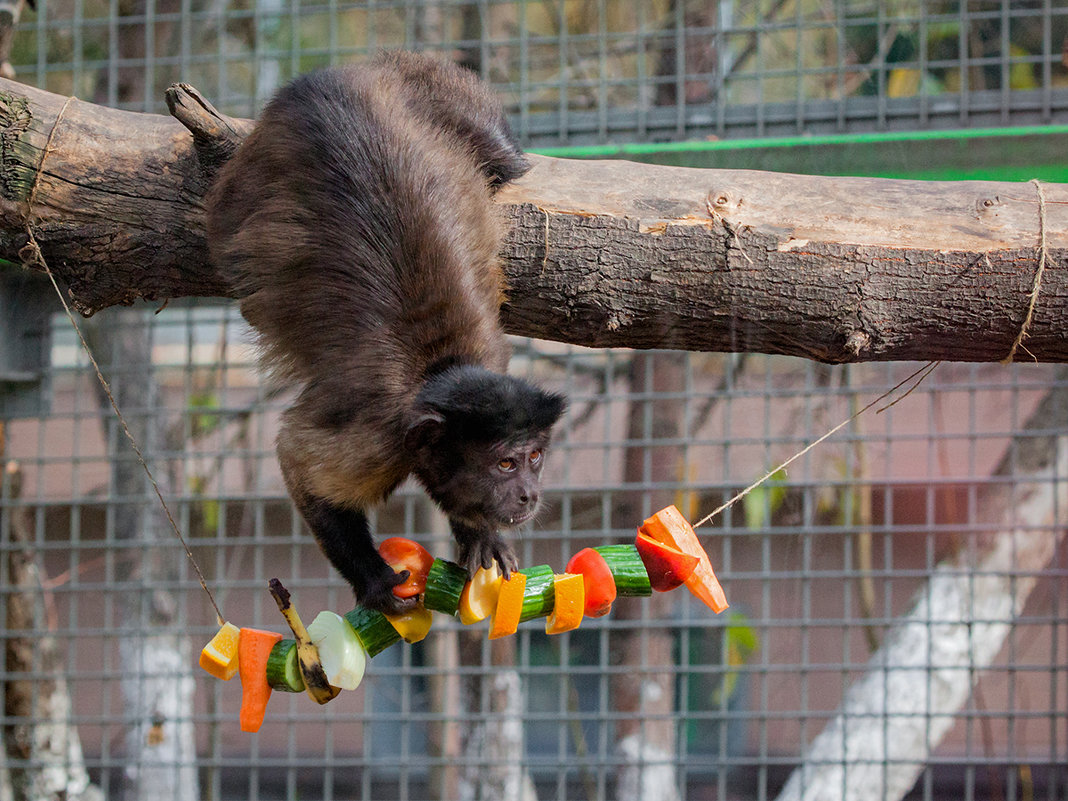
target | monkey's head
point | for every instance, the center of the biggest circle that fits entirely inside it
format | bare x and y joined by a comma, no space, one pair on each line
479,441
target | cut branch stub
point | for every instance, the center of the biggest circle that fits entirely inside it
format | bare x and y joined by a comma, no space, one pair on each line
215,135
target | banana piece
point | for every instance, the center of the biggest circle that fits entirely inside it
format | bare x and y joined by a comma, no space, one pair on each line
315,682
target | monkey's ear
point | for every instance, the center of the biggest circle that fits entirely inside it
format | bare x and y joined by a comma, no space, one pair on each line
427,429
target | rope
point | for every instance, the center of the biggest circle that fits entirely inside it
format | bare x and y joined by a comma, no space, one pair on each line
919,376
1043,251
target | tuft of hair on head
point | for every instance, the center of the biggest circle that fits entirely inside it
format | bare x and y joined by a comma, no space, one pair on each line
480,405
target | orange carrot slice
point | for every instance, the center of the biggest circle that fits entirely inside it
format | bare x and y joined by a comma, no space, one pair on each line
570,599
671,528
219,657
509,606
254,647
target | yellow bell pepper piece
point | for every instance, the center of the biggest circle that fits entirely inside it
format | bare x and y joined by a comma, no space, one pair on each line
414,625
570,599
219,657
479,596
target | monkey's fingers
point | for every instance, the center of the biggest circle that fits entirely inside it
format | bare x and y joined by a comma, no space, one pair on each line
378,594
507,561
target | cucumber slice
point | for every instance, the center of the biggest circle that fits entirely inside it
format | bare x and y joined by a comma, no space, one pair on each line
444,584
283,670
538,597
374,630
628,570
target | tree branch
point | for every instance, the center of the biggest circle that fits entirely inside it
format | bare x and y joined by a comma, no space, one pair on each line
606,253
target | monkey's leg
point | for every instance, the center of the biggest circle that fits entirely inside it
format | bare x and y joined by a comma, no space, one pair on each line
345,537
482,547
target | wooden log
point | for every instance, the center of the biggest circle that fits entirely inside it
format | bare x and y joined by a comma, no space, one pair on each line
607,253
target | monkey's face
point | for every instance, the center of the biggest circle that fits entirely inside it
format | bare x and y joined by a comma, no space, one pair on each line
478,443
487,486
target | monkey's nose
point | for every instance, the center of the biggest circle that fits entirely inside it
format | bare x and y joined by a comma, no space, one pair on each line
528,498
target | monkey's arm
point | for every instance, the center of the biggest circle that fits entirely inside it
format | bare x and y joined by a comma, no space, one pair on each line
480,547
345,538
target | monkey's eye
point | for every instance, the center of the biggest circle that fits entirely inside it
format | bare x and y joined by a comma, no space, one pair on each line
536,456
507,465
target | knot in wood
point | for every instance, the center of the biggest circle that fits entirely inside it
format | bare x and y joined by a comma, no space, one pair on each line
721,202
856,343
987,205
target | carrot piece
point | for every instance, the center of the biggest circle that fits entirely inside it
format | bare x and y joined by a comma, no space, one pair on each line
509,606
570,598
219,656
671,528
254,647
599,585
402,553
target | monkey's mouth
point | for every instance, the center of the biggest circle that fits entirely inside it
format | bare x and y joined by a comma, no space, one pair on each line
519,518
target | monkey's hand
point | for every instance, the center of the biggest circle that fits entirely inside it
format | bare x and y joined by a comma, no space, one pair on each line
483,547
345,537
377,591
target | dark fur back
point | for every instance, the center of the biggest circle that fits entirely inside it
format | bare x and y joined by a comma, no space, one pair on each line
357,224
484,407
451,97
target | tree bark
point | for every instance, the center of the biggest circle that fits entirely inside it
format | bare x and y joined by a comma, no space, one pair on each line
601,254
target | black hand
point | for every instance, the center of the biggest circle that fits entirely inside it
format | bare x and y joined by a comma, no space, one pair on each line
345,537
482,547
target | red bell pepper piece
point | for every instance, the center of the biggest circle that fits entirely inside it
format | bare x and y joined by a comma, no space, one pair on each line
402,554
599,586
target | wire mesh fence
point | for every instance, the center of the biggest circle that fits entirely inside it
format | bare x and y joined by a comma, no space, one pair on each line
899,617
826,567
596,70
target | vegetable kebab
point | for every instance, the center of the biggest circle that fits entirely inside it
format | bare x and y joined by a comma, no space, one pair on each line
666,554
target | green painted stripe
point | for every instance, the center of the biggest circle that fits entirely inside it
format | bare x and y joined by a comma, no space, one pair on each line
879,137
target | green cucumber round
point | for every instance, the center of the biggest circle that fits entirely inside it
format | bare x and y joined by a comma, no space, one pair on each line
539,595
444,584
283,670
373,628
632,579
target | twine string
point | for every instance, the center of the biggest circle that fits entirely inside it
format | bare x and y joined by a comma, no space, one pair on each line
915,378
1043,251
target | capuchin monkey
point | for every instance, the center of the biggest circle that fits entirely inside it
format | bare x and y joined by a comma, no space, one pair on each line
357,224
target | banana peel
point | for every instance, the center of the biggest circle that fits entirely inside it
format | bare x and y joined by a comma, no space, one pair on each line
315,682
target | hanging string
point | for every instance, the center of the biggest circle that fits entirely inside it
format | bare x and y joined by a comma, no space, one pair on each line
916,378
31,255
1043,250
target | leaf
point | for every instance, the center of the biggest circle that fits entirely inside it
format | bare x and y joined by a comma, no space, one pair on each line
764,501
204,414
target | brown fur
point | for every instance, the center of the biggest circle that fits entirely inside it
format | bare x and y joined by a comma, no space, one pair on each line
357,223
356,334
